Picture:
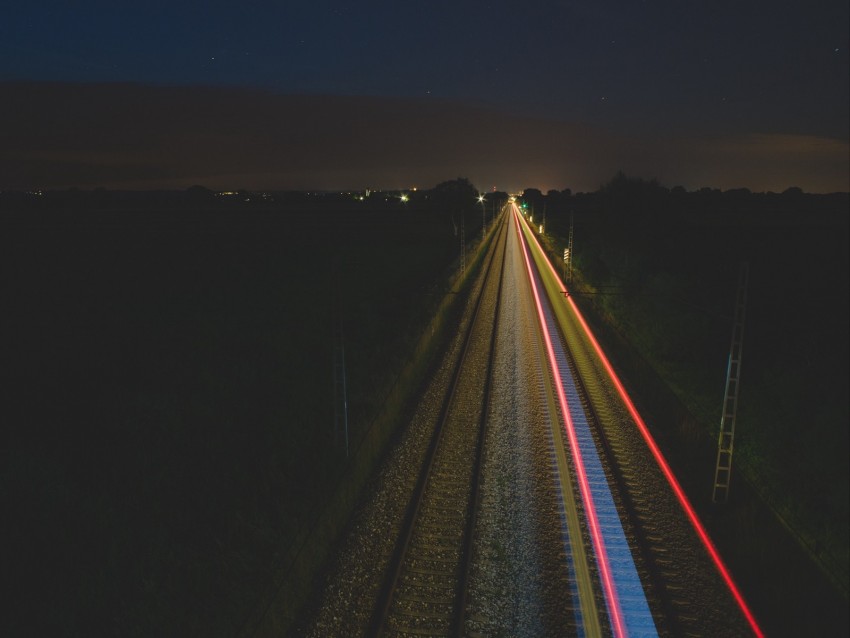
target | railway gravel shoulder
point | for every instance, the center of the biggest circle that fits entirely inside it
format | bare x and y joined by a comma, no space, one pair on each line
520,584
348,590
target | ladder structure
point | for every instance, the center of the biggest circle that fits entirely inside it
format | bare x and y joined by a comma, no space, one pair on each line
725,442
570,254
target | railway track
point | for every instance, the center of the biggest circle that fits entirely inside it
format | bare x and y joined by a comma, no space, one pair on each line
612,598
659,579
424,592
630,572
425,588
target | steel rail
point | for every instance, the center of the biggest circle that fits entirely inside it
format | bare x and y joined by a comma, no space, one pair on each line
382,610
653,448
622,590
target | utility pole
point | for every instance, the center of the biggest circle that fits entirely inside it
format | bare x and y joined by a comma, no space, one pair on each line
462,245
483,201
725,442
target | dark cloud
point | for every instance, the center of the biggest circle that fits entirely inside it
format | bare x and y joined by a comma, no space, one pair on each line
143,137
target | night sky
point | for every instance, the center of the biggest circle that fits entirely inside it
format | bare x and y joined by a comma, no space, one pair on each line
541,93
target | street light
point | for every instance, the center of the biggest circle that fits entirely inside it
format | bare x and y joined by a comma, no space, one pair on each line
483,213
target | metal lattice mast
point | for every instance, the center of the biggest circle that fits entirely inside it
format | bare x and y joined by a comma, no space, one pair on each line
570,261
725,442
566,259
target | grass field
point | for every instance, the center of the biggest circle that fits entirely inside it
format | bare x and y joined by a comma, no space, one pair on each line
168,396
660,269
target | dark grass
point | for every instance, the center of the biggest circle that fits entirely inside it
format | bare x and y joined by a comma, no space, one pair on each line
167,394
166,375
658,271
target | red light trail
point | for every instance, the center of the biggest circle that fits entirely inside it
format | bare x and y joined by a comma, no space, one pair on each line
584,488
659,458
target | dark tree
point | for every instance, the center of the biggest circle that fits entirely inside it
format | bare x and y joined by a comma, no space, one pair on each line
533,199
456,195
